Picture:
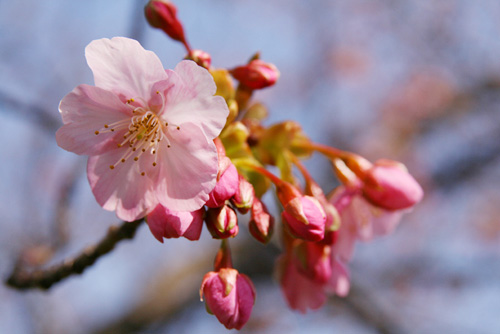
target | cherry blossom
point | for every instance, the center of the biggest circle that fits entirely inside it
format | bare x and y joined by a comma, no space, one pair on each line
148,131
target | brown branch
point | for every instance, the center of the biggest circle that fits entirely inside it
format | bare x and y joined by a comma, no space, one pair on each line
44,279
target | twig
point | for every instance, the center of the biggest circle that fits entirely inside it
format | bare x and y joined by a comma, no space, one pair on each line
44,279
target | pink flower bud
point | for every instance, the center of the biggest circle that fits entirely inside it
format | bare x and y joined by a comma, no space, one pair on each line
201,58
261,224
389,185
222,222
227,183
314,261
229,295
305,218
244,196
301,293
165,223
257,74
162,14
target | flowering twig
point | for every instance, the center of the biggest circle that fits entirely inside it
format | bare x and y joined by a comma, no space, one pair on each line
44,279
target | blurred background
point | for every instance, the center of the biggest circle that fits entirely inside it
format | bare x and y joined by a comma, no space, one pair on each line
412,80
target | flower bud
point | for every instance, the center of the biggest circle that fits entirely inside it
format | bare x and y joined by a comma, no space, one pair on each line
244,196
165,223
261,224
257,74
162,14
227,183
229,295
314,261
222,222
305,218
201,58
389,185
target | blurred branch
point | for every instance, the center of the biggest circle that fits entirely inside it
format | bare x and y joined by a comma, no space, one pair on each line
37,115
363,305
44,279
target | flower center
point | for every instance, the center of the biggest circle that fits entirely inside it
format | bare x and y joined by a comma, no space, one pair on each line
142,134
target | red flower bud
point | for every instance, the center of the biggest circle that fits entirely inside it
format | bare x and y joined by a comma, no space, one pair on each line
305,218
261,225
257,74
229,295
222,222
201,58
162,14
389,185
244,196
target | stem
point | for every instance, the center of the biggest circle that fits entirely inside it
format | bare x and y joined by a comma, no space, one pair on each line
44,279
285,191
223,258
330,152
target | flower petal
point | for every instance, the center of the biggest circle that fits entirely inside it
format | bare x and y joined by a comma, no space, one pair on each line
189,98
121,65
123,188
84,111
188,169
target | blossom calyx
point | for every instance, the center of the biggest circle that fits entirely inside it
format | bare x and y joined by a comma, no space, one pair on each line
245,195
222,222
229,295
165,223
162,14
261,224
305,218
257,74
389,185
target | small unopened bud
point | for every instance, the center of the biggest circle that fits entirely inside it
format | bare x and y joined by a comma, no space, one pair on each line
257,74
244,196
305,218
389,185
162,14
201,58
227,179
222,222
261,224
229,295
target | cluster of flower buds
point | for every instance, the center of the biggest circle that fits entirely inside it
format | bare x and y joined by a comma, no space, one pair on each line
318,231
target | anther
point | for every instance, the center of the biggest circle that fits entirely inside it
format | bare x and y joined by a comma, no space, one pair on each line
154,164
178,128
106,126
136,158
97,132
123,160
111,167
143,173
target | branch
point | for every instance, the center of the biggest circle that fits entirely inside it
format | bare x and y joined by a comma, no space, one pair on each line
44,279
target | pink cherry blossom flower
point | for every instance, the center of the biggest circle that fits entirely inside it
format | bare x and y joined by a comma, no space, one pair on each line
229,295
360,220
301,292
307,279
148,131
165,223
